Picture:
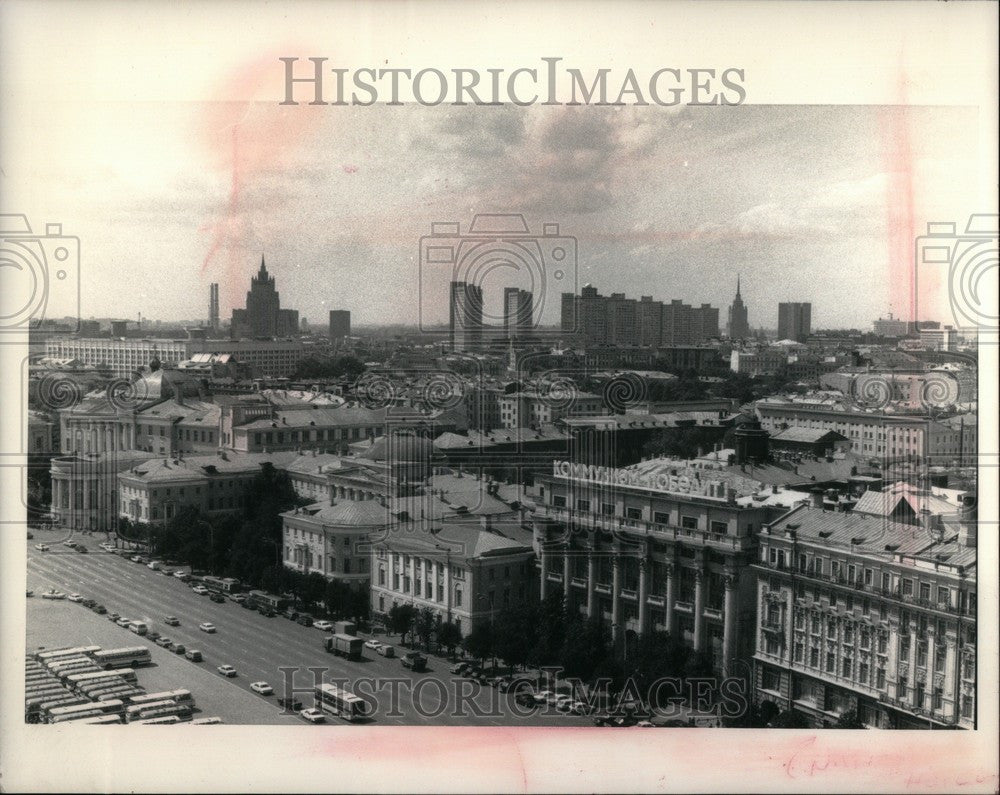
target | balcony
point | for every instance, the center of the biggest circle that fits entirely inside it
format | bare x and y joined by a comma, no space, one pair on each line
579,582
683,607
603,587
553,577
776,627
713,612
616,524
654,599
629,593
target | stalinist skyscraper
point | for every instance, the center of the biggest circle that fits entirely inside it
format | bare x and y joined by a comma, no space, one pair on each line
739,328
263,316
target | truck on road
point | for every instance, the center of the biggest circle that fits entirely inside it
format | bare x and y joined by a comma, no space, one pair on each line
345,628
344,646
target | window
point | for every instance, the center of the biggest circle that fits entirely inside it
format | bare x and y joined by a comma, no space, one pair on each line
689,522
458,596
661,517
846,666
799,652
944,596
925,591
771,680
880,678
863,673
831,662
381,575
559,501
720,527
583,505
633,513
907,586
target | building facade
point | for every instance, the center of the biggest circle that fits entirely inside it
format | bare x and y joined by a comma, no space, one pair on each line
465,316
340,324
659,546
794,321
739,325
857,614
263,315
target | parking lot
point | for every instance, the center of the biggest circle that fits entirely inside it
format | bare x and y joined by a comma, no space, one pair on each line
258,647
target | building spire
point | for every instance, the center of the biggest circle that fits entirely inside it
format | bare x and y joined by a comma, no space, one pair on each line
737,285
263,268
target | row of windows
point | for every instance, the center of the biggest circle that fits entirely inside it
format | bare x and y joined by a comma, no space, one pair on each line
283,437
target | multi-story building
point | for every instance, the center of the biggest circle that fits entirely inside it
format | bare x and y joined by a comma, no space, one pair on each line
794,321
531,408
663,545
465,316
687,325
85,487
887,437
254,427
155,490
891,327
739,325
340,324
649,321
263,315
622,321
124,357
939,339
463,570
859,614
758,360
518,309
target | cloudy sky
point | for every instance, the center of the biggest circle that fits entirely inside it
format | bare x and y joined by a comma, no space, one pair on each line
169,192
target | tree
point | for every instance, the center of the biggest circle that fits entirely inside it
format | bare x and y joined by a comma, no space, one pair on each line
587,649
849,720
425,624
790,719
513,635
449,636
479,642
401,618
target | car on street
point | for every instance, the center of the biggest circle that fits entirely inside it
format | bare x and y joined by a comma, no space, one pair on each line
323,626
312,715
217,597
29,592
207,626
267,612
459,668
107,547
386,650
262,688
305,620
164,641
135,559
226,670
52,593
545,697
291,615
201,590
183,576
239,598
152,635
123,622
81,549
114,616
75,597
69,544
177,648
89,603
371,643
42,547
172,621
194,655
290,703
99,609
414,660
166,571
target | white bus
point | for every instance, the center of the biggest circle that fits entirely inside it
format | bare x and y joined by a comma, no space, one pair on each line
74,651
117,658
123,692
97,719
125,674
160,720
62,670
60,714
156,710
205,721
176,696
340,702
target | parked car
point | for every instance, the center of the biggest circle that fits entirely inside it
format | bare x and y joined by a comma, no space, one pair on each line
166,571
290,703
371,643
201,590
386,650
208,627
172,621
178,648
99,609
239,598
52,593
42,547
459,668
323,626
89,603
312,715
29,592
114,616
305,620
226,670
194,655
263,688
217,597
183,576
69,543
75,597
123,622
267,612
291,615
164,641
81,549
152,635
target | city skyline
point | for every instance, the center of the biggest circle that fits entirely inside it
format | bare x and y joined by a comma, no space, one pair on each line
799,200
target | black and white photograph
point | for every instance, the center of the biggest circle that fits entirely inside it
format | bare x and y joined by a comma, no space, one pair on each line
428,396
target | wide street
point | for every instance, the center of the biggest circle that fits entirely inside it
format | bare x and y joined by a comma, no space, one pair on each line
258,647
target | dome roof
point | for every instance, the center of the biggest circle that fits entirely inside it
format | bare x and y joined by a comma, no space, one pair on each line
400,447
354,513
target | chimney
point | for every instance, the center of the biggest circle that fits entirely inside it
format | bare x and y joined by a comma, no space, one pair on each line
968,519
816,498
